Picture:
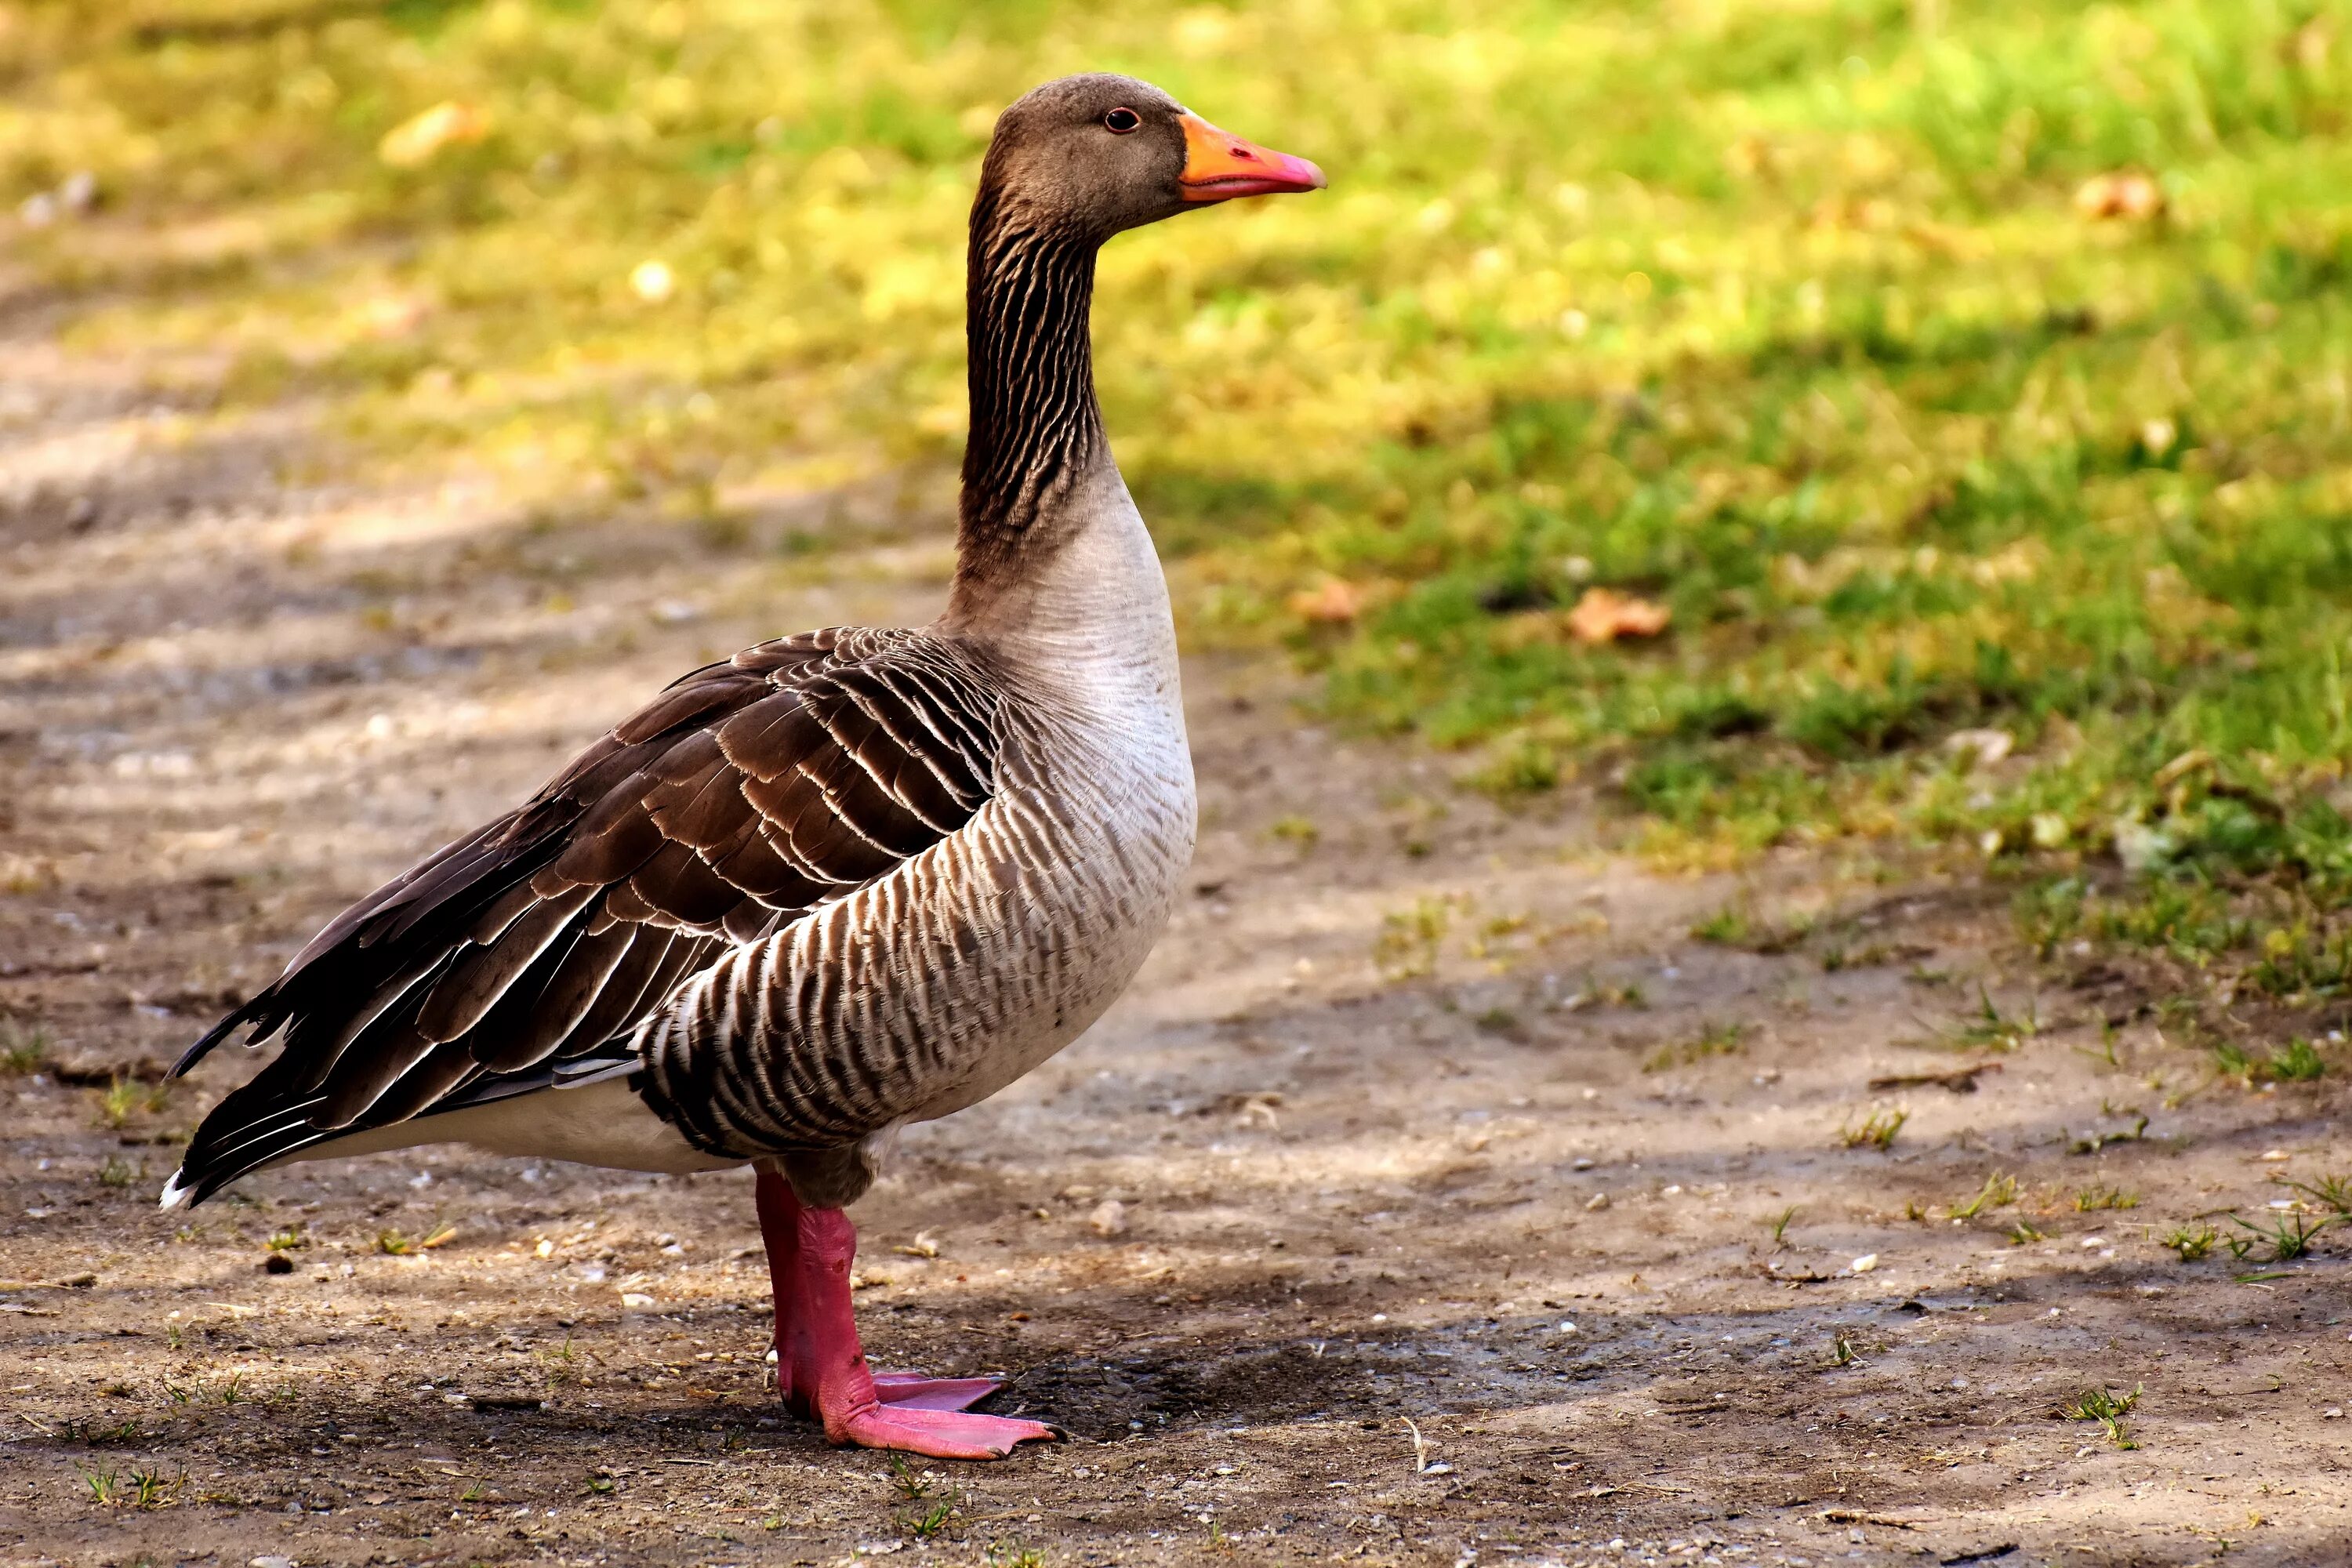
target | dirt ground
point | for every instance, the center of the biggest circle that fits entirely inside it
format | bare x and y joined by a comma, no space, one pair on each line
1433,1198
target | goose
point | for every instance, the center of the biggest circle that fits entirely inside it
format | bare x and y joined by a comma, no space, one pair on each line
841,882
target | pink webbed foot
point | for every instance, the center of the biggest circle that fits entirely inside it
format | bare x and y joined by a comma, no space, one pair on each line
821,1368
913,1391
937,1433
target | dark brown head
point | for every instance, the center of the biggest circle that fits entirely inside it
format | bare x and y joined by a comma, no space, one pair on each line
1099,154
1071,165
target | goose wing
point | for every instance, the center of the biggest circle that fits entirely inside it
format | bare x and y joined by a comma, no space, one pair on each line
523,954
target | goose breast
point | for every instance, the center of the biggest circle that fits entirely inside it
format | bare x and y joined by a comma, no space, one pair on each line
937,984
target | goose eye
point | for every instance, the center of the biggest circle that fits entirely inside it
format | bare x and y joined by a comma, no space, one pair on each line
1119,121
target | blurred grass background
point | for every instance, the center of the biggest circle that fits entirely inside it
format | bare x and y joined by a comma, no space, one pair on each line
1948,367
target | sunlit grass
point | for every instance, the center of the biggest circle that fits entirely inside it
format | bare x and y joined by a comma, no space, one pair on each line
1786,318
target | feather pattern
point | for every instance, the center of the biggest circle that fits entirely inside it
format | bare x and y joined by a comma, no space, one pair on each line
925,989
744,796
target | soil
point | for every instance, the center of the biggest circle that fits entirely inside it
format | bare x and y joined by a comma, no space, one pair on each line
1434,1197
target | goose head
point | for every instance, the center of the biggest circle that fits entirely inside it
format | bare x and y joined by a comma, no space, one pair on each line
1099,154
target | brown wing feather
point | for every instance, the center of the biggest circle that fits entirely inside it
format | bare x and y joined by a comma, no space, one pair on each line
742,797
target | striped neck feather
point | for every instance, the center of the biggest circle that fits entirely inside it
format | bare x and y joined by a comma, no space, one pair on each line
1037,429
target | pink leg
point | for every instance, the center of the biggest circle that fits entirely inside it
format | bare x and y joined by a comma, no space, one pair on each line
780,1221
821,1370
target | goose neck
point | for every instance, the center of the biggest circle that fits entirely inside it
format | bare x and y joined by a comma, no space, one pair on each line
1036,430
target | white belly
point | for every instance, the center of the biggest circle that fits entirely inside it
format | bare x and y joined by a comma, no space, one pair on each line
1080,929
1104,783
602,1123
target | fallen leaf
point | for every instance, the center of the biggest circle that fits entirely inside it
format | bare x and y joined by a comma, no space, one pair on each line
390,316
2123,193
1331,602
2181,766
1603,616
1980,748
413,142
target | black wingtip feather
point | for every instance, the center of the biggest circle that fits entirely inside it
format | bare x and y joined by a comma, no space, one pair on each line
211,1180
250,1013
238,1145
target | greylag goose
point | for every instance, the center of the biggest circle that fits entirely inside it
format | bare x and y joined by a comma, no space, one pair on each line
840,882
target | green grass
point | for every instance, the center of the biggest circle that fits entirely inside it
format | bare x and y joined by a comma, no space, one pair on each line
2296,1061
2000,1190
2332,1192
1409,939
1715,1038
1783,317
2288,1236
2093,1141
116,1105
23,1047
2192,1242
1736,925
400,1244
1986,1028
2107,1408
105,1485
1876,1130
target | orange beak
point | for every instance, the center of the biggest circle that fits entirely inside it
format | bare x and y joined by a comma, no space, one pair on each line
1219,165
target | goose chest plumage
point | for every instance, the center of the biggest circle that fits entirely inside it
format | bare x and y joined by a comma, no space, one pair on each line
840,882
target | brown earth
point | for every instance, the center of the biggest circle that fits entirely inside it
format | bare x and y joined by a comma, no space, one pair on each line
1449,1198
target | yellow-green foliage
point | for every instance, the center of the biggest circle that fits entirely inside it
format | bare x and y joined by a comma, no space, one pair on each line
1782,314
